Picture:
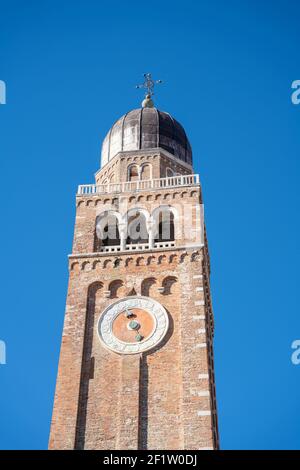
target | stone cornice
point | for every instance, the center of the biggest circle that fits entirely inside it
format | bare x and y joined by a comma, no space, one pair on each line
130,253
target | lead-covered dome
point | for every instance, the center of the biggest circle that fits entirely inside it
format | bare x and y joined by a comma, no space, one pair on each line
146,128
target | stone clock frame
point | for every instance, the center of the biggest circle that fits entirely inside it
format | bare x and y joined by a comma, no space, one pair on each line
107,317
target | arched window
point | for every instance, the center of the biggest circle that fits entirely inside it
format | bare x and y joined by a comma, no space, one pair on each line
146,172
107,231
136,228
164,226
133,173
170,172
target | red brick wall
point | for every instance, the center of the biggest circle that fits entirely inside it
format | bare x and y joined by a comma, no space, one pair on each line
161,399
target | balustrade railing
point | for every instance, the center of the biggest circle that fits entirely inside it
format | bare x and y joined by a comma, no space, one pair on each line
140,185
136,247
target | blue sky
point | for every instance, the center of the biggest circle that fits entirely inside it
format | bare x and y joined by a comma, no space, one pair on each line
70,70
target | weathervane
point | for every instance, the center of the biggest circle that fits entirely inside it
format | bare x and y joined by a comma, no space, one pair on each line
149,84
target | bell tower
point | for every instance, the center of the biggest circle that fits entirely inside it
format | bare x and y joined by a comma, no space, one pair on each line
136,368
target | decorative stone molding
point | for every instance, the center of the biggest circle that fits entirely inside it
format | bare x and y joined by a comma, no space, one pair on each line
103,261
148,196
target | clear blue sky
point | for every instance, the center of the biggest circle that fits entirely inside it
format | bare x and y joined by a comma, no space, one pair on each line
70,70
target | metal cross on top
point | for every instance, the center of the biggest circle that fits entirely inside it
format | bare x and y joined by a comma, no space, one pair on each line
149,84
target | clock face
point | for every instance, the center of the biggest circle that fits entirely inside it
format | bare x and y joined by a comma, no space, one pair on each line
133,325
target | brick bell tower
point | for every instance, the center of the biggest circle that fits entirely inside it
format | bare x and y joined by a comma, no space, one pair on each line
136,368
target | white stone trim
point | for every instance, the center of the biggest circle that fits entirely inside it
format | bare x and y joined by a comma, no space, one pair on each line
203,376
203,393
99,254
199,303
204,413
198,276
200,345
198,317
199,289
201,331
206,448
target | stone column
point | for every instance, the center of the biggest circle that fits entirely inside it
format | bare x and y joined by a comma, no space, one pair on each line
150,228
123,235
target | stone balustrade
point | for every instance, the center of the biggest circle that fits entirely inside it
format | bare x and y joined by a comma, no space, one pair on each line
139,185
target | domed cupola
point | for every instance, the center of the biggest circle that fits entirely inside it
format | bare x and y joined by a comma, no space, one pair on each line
144,129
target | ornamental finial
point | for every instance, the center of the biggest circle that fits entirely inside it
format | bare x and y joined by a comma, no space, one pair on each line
148,84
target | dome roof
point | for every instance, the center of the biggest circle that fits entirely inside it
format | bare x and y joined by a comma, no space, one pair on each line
146,128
